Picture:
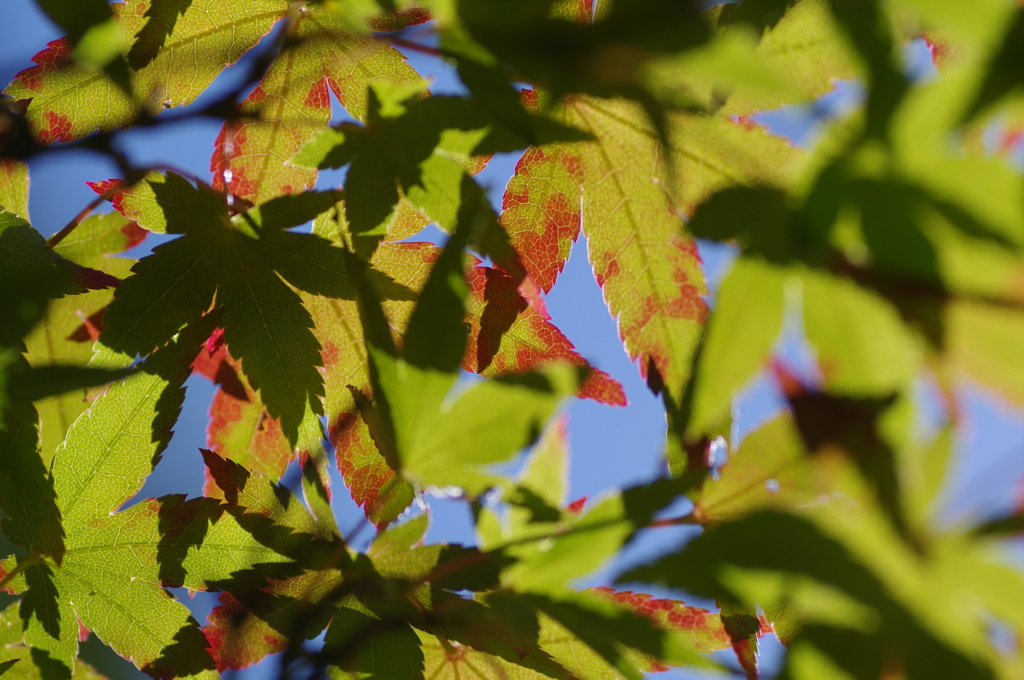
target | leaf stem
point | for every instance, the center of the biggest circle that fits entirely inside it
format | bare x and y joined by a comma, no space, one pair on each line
449,648
689,519
30,560
415,46
76,220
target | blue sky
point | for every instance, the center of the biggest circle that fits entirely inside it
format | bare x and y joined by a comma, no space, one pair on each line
612,447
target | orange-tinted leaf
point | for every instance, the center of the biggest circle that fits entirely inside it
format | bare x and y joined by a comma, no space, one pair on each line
508,335
182,45
374,486
293,102
242,431
403,18
704,629
541,210
241,635
633,210
239,429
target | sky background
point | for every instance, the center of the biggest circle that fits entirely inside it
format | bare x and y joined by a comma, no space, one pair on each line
611,447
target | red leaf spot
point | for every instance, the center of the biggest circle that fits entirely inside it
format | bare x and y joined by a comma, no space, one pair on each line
215,342
572,165
529,99
257,95
56,128
133,235
90,329
610,269
319,96
329,354
576,507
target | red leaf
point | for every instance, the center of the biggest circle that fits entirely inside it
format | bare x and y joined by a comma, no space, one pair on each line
508,335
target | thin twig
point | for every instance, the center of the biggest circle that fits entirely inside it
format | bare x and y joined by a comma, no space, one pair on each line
30,561
77,219
689,519
415,46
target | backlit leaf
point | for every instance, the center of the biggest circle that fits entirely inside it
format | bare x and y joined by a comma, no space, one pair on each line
746,324
293,101
241,430
68,330
770,469
112,448
195,39
14,187
27,498
266,326
649,270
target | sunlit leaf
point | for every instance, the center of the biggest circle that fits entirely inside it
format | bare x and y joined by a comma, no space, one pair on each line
294,102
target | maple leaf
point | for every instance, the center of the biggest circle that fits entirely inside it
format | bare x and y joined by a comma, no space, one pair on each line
115,562
242,634
293,103
406,420
266,326
506,335
15,660
14,187
649,271
803,47
180,47
67,331
32,275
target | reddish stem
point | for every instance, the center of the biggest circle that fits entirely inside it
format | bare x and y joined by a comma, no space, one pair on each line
416,47
79,218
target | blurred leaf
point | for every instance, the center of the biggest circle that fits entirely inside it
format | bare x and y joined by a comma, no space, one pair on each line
67,331
745,326
14,187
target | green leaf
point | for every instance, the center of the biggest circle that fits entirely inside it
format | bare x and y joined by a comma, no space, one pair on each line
27,498
769,470
982,340
31,274
711,566
40,382
180,48
361,645
863,346
14,187
803,48
1003,76
419,150
84,22
748,319
66,333
463,438
116,561
109,451
266,326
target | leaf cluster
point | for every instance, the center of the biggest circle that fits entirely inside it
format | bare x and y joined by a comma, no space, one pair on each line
896,243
